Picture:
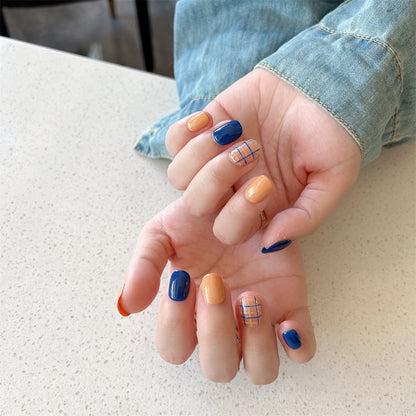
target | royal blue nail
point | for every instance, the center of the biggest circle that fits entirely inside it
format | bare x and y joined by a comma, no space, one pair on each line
228,132
179,285
292,339
276,247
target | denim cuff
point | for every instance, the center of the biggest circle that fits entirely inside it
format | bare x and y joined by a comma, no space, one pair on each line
152,141
356,79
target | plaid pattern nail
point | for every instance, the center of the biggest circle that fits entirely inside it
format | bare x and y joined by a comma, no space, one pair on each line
250,311
245,153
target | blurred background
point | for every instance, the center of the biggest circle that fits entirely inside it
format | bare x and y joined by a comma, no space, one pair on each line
133,33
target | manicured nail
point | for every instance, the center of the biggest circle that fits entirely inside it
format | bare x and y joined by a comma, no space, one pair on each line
228,132
212,289
259,189
280,245
292,339
198,121
250,311
179,285
119,307
245,153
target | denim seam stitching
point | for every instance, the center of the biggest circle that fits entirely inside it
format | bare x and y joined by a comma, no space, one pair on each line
387,47
337,116
202,98
393,127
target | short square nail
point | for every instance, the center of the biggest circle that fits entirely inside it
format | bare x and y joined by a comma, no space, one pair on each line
277,246
179,285
198,121
292,339
259,189
228,132
245,153
212,289
250,311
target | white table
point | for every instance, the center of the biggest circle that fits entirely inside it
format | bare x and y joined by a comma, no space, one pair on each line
73,197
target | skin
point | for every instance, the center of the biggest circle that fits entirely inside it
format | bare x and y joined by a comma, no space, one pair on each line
312,161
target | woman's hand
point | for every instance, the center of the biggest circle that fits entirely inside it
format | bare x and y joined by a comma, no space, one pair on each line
260,291
310,158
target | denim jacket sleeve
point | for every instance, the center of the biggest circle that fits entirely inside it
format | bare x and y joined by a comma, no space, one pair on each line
359,64
355,59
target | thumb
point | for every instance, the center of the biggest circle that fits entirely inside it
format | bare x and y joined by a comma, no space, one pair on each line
322,193
146,266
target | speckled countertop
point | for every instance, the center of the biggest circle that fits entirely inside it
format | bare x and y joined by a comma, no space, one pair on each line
73,197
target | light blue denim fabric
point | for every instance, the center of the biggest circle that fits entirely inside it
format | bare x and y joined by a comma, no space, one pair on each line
356,59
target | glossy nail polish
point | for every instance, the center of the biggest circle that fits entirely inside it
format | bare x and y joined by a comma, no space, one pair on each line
250,311
245,153
280,245
179,285
212,289
292,339
259,189
119,307
198,121
228,132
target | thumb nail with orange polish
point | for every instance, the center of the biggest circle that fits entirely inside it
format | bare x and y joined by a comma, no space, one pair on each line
119,307
212,288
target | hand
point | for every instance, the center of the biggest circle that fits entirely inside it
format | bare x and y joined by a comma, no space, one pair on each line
276,280
310,158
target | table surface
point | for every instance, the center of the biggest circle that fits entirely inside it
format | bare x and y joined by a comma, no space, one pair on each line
73,198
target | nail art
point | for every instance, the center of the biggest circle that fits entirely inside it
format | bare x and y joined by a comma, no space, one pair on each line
119,307
228,132
179,285
280,245
259,189
245,153
212,289
250,311
198,121
292,339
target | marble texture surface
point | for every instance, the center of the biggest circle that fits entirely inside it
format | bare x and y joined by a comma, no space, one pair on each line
73,197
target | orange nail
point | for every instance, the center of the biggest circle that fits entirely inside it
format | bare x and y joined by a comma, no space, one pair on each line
259,189
119,307
198,121
212,289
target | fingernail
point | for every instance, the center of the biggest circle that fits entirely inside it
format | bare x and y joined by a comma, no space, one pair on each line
245,153
292,339
119,307
179,285
250,311
198,121
212,289
228,132
280,245
259,189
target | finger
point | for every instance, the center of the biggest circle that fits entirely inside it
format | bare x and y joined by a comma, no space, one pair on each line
258,339
200,150
319,198
218,176
219,354
241,217
297,336
179,134
176,331
146,266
